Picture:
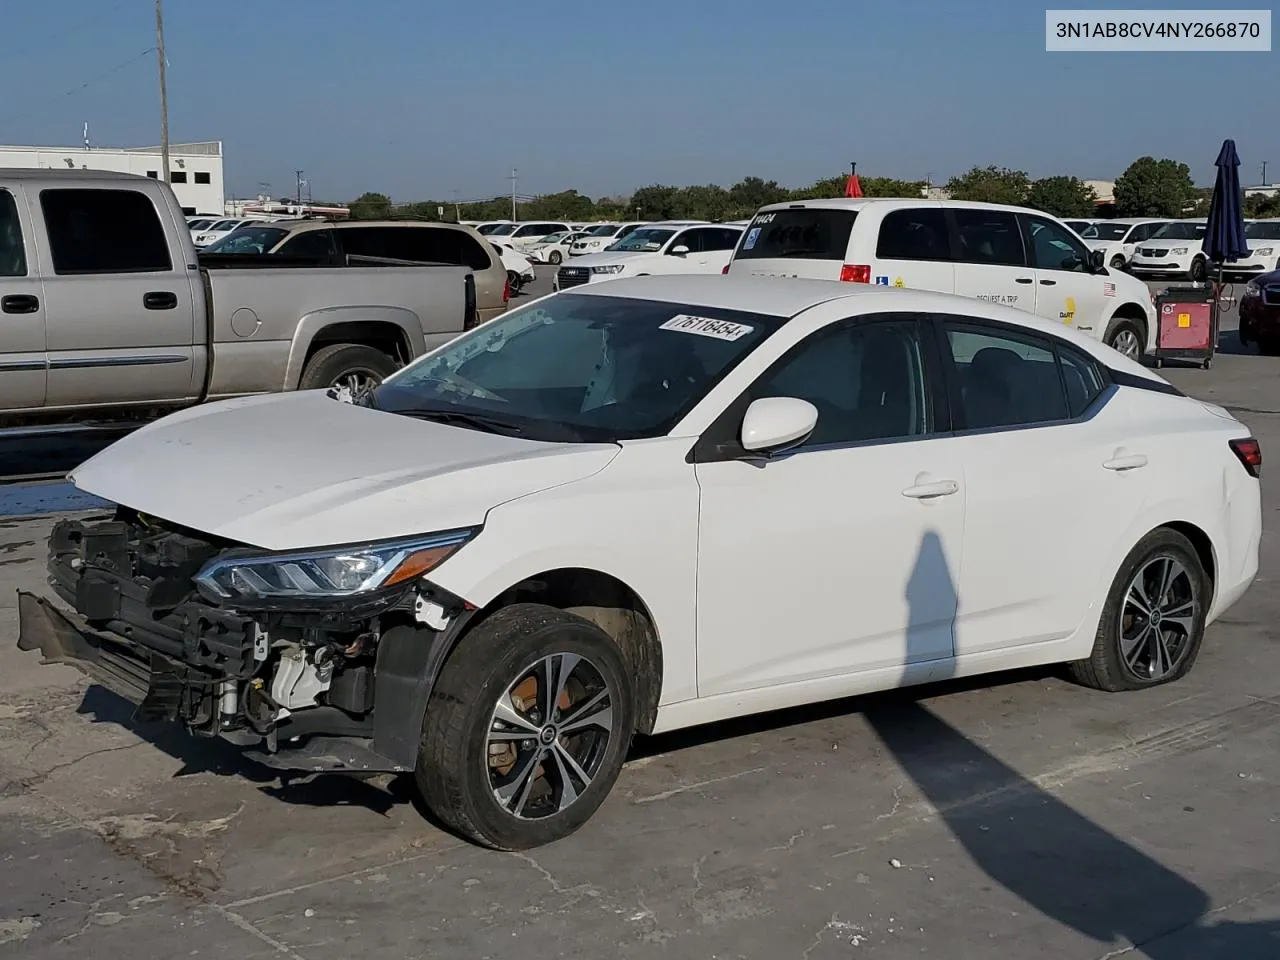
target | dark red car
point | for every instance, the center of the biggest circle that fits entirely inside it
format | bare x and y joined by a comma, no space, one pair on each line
1260,313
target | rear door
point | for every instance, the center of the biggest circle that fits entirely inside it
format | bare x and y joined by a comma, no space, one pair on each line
913,250
1067,291
795,242
119,308
992,263
22,345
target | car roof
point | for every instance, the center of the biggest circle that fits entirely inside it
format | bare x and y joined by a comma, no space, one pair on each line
1133,221
897,203
56,173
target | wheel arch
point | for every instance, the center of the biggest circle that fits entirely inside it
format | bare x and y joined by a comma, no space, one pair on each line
608,602
393,330
1134,313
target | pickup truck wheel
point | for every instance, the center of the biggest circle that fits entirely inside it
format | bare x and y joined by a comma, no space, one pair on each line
349,365
526,729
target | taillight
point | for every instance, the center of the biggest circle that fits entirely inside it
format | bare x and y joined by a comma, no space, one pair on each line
1249,452
855,273
506,290
726,269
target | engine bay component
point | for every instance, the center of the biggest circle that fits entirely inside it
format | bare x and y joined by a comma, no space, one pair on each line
299,681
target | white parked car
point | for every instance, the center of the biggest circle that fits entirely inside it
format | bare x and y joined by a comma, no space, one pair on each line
485,228
1263,237
570,525
521,236
519,267
599,237
1118,239
1079,226
1008,255
655,248
1175,250
216,231
553,249
199,224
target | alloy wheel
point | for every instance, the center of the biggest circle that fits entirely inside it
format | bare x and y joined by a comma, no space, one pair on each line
548,736
352,383
1126,341
1157,618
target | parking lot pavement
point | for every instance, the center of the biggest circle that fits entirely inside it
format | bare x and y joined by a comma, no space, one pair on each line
992,818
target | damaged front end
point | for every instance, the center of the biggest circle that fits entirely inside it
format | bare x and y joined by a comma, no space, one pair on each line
316,660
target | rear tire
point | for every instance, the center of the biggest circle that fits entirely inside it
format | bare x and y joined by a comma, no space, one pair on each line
515,282
488,705
556,257
346,364
1133,651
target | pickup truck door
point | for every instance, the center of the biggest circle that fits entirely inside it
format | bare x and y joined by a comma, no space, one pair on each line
120,310
22,353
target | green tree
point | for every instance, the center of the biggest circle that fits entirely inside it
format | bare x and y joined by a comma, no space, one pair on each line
751,193
710,202
1063,197
1259,207
371,206
1154,188
566,205
655,202
991,185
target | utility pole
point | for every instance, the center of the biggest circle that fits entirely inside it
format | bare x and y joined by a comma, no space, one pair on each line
298,189
457,215
164,94
513,179
1264,173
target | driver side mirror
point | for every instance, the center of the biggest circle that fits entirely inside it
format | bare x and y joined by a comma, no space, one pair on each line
1097,260
774,424
679,251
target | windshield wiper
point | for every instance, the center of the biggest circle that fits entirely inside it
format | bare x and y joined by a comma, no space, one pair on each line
478,421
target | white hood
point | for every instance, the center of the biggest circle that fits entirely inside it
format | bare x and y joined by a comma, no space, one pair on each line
604,259
299,470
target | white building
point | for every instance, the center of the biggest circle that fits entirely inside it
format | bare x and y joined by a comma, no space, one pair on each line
195,169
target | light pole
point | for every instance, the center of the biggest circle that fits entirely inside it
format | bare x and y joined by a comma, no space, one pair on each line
164,95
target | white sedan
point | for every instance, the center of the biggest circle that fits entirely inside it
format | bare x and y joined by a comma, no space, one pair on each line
647,505
519,267
655,248
553,249
216,231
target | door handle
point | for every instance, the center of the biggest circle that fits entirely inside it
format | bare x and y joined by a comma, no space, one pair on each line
1023,280
1049,283
20,303
931,489
1129,461
160,300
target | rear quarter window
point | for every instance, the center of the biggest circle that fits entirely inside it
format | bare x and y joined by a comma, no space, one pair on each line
803,233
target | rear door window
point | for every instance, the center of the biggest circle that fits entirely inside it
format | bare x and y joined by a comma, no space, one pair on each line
13,256
104,231
808,233
990,237
919,234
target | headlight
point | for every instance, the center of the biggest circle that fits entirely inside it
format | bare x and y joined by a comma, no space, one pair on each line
1264,251
1178,251
610,268
1251,289
319,574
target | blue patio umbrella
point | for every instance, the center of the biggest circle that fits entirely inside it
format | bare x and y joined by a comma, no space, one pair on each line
1224,233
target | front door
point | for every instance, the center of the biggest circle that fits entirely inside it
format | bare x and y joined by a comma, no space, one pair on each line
22,349
841,555
1067,290
1047,480
119,306
993,263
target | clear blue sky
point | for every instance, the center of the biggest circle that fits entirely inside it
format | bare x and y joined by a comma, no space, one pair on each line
417,98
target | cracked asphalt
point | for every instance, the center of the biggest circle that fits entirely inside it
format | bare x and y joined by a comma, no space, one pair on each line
997,818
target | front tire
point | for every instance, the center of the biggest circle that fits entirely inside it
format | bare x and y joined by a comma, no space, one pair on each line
556,257
1152,624
1117,263
1127,337
1199,270
526,729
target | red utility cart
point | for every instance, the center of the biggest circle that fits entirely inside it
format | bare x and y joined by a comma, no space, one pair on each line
1187,324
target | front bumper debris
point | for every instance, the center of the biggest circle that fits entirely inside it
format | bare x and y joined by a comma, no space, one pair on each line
126,614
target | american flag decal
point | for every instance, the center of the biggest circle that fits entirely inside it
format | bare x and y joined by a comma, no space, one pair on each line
1108,289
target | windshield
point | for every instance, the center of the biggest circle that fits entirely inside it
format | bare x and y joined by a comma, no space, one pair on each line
553,238
223,225
1180,231
1106,231
199,224
579,368
487,228
1263,231
248,239
644,240
504,230
603,230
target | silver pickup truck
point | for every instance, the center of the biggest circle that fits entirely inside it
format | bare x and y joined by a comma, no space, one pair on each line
105,309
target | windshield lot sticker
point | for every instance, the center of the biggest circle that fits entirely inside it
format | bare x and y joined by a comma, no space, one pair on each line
706,327
882,281
752,236
765,218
